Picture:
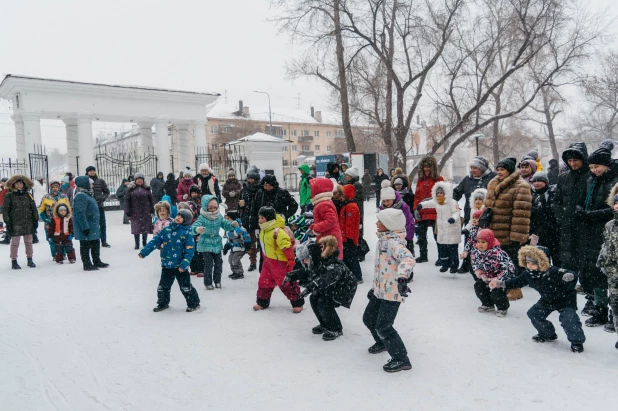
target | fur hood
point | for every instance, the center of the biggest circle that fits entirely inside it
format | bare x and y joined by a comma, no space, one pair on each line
28,184
431,162
479,192
163,204
535,253
610,199
447,187
132,186
331,247
59,204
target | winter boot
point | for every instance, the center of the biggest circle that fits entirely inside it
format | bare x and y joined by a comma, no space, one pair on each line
160,307
609,327
318,329
210,287
136,238
90,267
14,265
486,309
194,308
422,259
540,339
376,348
6,240
577,348
443,269
438,263
251,267
501,313
589,309
600,318
35,239
397,365
104,244
31,263
236,276
218,285
453,270
331,335
465,266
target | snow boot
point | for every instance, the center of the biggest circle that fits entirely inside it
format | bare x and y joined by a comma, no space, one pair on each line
422,259
210,287
600,318
90,267
486,309
31,263
453,270
465,267
609,327
104,244
376,348
397,365
438,263
443,269
501,313
218,285
540,339
331,335
101,264
194,308
35,239
14,265
577,348
251,267
318,329
236,276
589,309
160,308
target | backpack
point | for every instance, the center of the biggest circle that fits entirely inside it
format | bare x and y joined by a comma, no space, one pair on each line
290,234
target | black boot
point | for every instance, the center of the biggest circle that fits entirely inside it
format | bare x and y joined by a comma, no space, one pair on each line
589,309
144,239
6,240
14,265
35,239
318,329
609,327
397,365
540,339
31,263
422,259
577,348
376,348
96,256
136,236
465,266
251,267
331,335
600,318
160,308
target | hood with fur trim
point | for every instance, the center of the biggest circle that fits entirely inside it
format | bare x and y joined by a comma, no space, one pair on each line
431,162
447,187
479,192
59,204
331,247
613,192
28,184
320,185
163,204
535,253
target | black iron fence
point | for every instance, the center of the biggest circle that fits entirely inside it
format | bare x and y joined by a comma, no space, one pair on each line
39,166
10,167
223,159
114,168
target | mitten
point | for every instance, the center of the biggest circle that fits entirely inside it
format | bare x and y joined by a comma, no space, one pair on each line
289,254
370,293
71,237
234,223
534,239
200,230
568,277
465,231
451,220
495,283
86,231
185,196
402,286
419,207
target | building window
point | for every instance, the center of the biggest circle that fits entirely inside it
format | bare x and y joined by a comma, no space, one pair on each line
317,147
214,147
328,148
294,162
294,133
306,147
285,148
226,129
285,163
329,134
285,131
294,148
306,133
340,133
213,129
316,133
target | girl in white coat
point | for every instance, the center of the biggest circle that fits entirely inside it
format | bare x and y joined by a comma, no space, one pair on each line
448,223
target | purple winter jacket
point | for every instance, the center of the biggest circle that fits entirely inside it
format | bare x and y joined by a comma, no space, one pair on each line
139,206
410,223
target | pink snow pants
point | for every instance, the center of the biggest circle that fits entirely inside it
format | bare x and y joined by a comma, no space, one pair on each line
15,245
272,275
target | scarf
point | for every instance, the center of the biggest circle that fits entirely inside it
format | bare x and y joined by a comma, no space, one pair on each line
318,198
83,190
211,215
440,200
267,225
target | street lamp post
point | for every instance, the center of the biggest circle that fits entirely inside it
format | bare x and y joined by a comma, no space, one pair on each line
477,137
270,114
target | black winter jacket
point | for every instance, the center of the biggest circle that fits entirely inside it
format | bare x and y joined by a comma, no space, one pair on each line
20,212
157,185
100,190
468,185
543,220
555,292
249,192
278,198
171,186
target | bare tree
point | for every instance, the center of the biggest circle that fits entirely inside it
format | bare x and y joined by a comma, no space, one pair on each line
601,91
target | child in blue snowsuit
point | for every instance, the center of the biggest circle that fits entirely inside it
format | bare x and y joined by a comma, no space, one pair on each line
177,251
238,242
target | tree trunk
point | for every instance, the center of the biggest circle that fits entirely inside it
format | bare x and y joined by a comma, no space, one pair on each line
343,82
496,131
550,124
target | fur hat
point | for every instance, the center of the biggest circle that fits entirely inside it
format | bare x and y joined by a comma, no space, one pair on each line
540,176
480,162
478,193
163,204
204,166
268,213
187,216
477,214
536,254
60,205
140,175
330,245
487,235
352,172
387,192
508,164
603,154
10,183
613,193
428,161
393,219
253,173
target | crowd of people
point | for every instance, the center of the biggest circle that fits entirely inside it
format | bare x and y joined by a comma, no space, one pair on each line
520,226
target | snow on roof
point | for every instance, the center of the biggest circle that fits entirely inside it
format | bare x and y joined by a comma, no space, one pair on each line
259,137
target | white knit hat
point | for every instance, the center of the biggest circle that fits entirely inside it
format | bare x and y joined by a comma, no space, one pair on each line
393,219
387,192
352,172
204,166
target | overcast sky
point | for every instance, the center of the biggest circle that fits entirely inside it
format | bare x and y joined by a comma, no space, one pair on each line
185,44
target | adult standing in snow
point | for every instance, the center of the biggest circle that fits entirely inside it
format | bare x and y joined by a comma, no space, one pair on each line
377,180
271,195
249,192
157,185
553,172
100,193
232,190
595,213
427,176
544,229
332,171
207,182
139,207
184,188
20,216
170,187
120,194
86,224
304,187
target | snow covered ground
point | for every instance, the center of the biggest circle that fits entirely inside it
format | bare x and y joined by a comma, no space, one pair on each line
75,340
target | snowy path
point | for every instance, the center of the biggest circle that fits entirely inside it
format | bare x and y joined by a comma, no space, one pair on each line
71,340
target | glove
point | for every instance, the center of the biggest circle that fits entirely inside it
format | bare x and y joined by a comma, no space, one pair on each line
226,248
402,286
451,220
370,293
291,264
495,283
419,207
86,231
235,224
465,231
534,239
417,216
184,197
200,230
71,237
568,277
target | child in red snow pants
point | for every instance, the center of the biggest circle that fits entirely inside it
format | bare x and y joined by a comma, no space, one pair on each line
272,275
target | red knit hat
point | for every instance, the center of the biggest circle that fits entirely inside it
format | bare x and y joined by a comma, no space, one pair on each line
477,214
488,235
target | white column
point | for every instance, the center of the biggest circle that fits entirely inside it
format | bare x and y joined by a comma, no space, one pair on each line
184,148
20,143
32,131
86,145
72,144
162,146
199,130
145,130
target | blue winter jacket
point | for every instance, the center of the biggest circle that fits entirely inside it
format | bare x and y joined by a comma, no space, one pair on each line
211,241
177,246
238,238
167,199
85,211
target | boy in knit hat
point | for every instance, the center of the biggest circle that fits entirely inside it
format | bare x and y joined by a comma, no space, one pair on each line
177,248
394,264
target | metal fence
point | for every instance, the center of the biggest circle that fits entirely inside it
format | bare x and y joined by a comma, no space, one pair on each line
9,167
114,168
39,166
220,161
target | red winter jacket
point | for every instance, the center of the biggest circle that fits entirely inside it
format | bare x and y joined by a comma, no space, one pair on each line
325,219
423,192
349,216
184,187
2,195
57,225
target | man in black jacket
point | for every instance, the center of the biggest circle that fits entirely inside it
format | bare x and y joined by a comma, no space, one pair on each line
480,175
157,185
101,193
249,191
270,194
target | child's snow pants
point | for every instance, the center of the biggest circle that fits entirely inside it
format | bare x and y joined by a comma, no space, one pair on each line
569,320
272,274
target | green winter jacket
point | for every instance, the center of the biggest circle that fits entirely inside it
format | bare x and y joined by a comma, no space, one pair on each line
211,241
305,188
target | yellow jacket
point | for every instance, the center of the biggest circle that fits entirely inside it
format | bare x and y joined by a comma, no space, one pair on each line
267,239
